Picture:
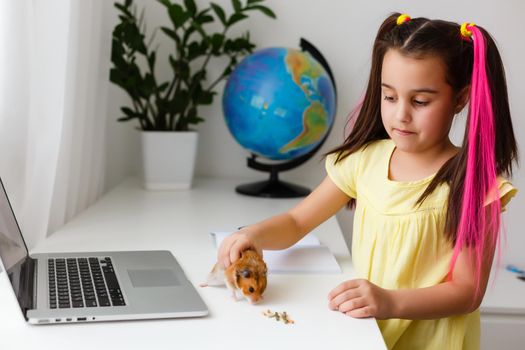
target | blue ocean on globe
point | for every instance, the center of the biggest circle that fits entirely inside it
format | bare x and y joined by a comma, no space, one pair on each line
279,103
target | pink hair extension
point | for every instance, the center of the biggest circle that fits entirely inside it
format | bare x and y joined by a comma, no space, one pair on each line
478,227
350,120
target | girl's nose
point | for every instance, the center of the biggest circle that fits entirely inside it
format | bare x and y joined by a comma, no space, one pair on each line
403,112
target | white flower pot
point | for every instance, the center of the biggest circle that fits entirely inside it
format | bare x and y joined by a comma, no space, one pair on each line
168,159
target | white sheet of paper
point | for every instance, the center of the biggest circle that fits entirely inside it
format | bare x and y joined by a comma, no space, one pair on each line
306,256
308,240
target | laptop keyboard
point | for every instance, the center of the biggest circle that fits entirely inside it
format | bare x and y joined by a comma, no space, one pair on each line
83,282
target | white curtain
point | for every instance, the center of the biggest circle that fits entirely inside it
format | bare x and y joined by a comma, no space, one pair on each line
54,69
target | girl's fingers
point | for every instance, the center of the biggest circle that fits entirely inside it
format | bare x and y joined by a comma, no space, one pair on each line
232,247
343,297
343,287
224,251
352,304
360,313
235,251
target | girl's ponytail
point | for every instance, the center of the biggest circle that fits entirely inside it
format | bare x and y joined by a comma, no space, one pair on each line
479,222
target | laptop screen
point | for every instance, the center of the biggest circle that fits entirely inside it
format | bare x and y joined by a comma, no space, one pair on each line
13,251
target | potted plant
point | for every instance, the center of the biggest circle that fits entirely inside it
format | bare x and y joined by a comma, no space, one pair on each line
167,110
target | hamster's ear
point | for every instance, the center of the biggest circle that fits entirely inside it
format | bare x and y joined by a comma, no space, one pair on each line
245,273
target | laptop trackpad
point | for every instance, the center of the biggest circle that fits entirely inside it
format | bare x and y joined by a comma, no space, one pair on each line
153,278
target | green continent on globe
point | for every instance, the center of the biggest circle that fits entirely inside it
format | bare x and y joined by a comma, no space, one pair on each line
315,122
315,118
300,66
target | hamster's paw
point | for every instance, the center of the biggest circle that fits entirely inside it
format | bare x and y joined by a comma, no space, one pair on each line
215,278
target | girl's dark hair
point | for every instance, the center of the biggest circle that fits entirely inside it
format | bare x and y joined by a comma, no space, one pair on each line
421,37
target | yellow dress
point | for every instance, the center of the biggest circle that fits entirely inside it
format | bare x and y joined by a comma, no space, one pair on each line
397,247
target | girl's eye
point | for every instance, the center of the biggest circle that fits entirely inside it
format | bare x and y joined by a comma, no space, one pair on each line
388,98
420,103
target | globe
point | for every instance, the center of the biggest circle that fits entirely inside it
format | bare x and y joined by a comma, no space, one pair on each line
279,103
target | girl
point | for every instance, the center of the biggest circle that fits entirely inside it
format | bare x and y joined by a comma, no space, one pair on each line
427,213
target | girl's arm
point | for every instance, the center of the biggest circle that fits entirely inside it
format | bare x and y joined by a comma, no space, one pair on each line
282,231
361,298
457,296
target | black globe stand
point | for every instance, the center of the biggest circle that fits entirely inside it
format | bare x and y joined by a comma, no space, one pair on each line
273,187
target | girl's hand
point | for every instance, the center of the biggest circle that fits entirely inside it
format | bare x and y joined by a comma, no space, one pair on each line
360,298
233,245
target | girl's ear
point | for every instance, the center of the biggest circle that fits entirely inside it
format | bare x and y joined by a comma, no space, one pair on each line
461,99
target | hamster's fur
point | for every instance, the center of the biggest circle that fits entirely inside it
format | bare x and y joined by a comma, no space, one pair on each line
246,277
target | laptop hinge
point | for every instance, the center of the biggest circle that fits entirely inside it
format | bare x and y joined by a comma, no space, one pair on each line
28,284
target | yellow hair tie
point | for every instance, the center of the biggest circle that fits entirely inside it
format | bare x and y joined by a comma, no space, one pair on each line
402,19
465,32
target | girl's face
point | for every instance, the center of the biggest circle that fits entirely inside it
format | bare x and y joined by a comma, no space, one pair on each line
417,105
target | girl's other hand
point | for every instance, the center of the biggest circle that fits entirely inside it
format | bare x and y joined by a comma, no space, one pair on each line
360,298
233,245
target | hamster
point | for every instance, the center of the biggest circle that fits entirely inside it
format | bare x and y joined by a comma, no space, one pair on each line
246,277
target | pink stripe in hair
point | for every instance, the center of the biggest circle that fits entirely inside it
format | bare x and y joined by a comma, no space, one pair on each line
352,117
477,230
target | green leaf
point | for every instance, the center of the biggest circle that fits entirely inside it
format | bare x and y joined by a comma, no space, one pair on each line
194,50
190,5
198,28
123,9
162,105
173,62
192,117
203,12
171,33
254,1
195,120
236,17
197,78
228,46
219,12
227,71
129,114
117,52
179,101
216,42
239,45
128,111
147,87
163,87
166,3
151,58
263,9
189,31
204,19
181,68
205,45
237,5
205,98
177,15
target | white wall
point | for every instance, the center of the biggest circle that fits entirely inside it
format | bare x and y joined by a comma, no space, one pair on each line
343,31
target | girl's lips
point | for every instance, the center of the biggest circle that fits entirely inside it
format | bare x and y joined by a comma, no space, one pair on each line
403,133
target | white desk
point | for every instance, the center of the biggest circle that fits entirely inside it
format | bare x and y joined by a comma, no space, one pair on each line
130,218
503,312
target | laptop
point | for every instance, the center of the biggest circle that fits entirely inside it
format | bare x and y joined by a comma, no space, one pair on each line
93,286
